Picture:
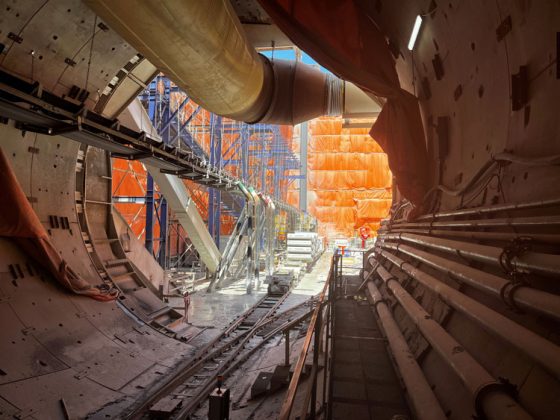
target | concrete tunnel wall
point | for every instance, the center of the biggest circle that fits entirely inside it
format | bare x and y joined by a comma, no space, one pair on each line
481,45
54,344
479,53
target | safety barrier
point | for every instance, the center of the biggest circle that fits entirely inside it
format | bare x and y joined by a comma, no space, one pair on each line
319,333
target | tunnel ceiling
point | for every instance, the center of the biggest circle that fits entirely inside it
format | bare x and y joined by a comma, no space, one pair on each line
465,69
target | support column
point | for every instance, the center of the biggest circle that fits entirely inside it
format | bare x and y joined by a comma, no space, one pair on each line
303,140
149,241
214,198
163,232
287,348
250,251
245,153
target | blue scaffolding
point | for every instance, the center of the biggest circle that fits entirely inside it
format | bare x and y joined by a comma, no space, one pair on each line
249,154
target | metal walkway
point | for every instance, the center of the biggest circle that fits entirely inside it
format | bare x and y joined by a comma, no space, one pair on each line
36,110
177,195
363,381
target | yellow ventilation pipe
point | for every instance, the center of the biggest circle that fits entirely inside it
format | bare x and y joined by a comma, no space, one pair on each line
202,47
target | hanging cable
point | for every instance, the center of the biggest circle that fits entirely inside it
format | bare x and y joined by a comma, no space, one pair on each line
90,52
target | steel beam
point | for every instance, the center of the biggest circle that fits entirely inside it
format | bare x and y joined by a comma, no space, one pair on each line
149,240
304,127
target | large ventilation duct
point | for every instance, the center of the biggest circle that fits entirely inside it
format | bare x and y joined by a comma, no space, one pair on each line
202,47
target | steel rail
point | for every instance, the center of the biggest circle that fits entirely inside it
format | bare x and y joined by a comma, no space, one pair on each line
207,353
233,364
186,369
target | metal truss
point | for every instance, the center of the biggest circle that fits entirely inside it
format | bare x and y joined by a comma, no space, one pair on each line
258,155
36,110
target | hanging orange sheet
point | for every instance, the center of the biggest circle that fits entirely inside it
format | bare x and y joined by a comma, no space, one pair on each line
340,35
19,222
348,179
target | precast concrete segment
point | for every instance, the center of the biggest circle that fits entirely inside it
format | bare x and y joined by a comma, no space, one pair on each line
62,44
529,298
534,262
538,348
496,406
426,406
55,344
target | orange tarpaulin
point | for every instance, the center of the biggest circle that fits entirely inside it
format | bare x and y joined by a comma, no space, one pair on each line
347,161
19,222
129,180
340,35
348,187
371,210
343,142
349,179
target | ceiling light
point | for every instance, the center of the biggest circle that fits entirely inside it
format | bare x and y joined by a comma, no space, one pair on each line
414,33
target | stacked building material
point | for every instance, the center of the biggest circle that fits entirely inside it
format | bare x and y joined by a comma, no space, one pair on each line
303,247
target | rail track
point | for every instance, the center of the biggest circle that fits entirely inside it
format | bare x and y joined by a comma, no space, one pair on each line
179,395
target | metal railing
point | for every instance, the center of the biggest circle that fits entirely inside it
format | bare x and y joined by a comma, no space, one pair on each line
319,332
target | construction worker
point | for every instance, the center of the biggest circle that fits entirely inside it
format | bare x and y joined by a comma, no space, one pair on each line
187,301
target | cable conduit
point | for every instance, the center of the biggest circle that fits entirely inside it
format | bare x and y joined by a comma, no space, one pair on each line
538,348
426,406
528,298
495,404
533,262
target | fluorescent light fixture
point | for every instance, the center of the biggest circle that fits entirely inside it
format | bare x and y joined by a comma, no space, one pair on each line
414,33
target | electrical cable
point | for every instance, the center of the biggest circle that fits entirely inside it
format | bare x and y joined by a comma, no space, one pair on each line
499,160
90,52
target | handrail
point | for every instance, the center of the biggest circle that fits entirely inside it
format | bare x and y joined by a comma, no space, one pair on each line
313,329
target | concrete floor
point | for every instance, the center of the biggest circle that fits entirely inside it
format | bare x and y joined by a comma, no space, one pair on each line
210,313
271,355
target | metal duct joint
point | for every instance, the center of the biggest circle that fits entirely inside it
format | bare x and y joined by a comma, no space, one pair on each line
300,92
202,47
335,96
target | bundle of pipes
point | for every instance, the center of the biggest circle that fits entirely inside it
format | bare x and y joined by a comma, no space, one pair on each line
489,397
517,258
471,220
425,403
402,246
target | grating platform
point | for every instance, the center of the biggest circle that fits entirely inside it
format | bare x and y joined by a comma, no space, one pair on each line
363,382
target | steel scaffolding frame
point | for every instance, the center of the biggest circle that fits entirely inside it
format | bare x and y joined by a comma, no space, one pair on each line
259,154
37,110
